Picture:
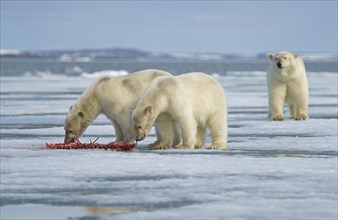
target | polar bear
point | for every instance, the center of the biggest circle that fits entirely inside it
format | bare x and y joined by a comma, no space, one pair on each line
115,97
194,101
287,83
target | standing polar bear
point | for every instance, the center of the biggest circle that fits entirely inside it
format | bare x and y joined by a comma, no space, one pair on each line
115,97
287,83
193,101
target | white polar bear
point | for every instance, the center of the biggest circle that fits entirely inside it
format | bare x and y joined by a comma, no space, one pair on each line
287,83
115,97
193,101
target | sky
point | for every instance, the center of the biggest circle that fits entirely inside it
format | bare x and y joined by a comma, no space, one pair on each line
244,27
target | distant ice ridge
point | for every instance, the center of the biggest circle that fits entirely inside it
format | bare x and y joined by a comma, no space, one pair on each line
74,72
105,72
318,56
9,52
246,73
78,72
198,56
263,73
44,74
68,58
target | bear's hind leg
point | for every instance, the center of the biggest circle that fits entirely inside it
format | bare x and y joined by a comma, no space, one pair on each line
200,138
177,133
219,131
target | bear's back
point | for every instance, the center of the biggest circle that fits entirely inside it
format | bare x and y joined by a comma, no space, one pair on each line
138,81
132,84
199,82
199,90
123,91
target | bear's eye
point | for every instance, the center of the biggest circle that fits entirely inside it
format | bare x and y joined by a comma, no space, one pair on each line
285,58
70,131
139,127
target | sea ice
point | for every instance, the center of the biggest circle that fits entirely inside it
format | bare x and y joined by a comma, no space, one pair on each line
271,170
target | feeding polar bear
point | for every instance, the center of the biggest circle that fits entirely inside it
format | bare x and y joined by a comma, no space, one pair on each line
194,101
287,83
115,97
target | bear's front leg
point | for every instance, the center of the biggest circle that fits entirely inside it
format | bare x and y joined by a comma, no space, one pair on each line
165,131
298,95
127,129
276,109
189,131
300,113
277,94
118,132
301,107
276,103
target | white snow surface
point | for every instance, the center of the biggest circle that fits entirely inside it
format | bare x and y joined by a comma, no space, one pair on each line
271,170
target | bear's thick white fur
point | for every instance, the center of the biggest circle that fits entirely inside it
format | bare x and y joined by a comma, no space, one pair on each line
194,102
287,83
115,97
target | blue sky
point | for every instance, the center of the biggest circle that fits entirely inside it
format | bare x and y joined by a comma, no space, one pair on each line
245,27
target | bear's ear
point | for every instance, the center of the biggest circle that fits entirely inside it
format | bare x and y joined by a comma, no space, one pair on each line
270,56
148,111
70,108
80,114
295,56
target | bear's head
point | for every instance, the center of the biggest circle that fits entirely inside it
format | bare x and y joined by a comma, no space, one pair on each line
75,124
283,60
143,119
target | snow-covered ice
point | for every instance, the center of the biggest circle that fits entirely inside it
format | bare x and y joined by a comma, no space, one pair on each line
271,170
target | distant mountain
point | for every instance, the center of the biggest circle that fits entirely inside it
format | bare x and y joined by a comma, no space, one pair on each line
116,53
86,55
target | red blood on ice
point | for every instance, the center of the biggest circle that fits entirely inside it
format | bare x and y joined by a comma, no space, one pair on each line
91,145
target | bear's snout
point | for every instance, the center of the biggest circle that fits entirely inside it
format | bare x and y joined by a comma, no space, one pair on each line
138,138
69,140
70,137
279,65
141,135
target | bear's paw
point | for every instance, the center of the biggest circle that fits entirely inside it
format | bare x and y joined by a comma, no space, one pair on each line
182,146
217,147
198,146
277,117
301,117
161,147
